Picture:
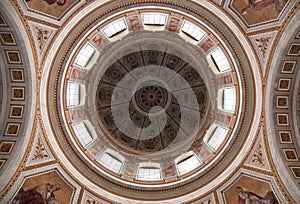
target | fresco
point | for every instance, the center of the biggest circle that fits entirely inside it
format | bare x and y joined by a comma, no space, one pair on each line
47,188
55,8
258,11
250,191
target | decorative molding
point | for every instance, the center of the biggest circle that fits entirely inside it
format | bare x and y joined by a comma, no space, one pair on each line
258,156
55,173
89,198
263,44
252,180
40,152
42,36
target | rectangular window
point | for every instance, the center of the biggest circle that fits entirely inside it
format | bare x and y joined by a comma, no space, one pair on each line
73,94
217,137
192,30
220,60
84,55
188,164
154,18
149,174
110,163
229,99
114,27
82,133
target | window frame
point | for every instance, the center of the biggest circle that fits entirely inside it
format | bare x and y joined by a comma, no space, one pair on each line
115,27
186,161
221,62
232,98
85,55
113,159
188,25
148,176
78,133
70,96
162,20
212,135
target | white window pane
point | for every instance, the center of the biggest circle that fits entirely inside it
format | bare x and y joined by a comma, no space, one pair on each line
82,133
217,137
152,18
149,174
114,27
220,60
188,164
192,30
229,99
110,162
84,55
73,94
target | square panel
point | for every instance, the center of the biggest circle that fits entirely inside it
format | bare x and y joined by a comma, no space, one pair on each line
7,38
290,155
296,171
6,147
2,162
12,129
16,111
2,22
284,84
282,101
18,93
288,67
285,136
13,56
294,49
282,119
16,75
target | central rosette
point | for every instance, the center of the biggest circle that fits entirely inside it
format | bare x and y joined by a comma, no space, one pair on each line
150,101
150,94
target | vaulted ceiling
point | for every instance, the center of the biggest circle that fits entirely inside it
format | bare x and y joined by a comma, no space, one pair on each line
81,82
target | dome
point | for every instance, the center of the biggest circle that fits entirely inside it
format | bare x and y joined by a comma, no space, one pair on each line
150,102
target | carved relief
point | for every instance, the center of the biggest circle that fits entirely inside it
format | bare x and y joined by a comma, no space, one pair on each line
263,43
258,156
42,37
40,152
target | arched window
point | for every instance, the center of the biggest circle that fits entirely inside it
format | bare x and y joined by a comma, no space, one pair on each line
149,174
220,60
229,99
188,164
115,27
192,30
217,137
110,162
153,18
84,55
82,133
73,94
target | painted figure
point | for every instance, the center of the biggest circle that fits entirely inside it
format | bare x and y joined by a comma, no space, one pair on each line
41,194
279,5
59,2
247,197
